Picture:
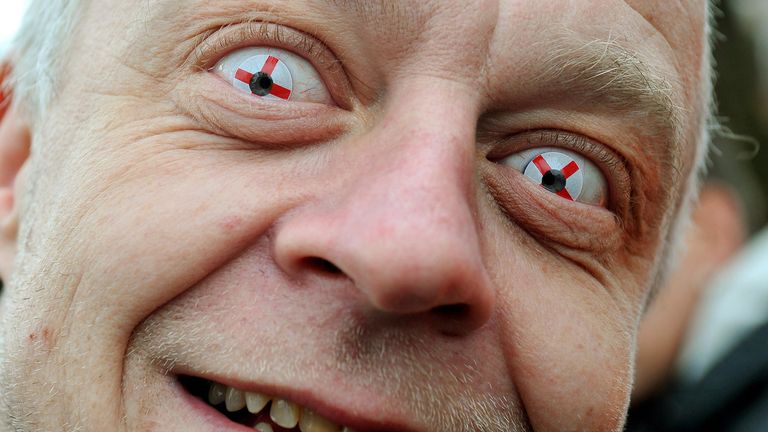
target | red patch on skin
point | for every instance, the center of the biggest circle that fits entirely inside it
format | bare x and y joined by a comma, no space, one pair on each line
231,223
45,341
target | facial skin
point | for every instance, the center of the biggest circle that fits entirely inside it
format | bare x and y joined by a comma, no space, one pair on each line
371,260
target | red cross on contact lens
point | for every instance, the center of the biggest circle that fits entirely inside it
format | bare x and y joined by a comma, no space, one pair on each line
266,81
551,177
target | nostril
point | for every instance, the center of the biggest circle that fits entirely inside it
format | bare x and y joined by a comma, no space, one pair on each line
453,311
453,318
322,265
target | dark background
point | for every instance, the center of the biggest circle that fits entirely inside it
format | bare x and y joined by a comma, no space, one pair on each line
739,157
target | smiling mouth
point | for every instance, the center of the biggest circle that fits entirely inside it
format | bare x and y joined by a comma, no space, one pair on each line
259,411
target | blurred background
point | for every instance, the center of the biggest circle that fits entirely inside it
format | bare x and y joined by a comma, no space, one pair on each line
10,16
742,92
702,362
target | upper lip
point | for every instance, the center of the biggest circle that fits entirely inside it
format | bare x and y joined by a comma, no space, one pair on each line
320,402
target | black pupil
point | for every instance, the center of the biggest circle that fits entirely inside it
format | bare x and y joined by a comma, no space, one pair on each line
554,181
261,84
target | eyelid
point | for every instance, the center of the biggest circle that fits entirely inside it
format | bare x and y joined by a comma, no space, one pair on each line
226,40
503,147
613,166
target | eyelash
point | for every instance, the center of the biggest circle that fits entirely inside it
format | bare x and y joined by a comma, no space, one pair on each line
219,43
613,166
578,143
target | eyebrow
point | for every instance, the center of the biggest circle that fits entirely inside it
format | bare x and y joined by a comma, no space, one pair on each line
614,78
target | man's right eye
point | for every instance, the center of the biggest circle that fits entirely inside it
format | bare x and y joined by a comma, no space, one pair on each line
274,74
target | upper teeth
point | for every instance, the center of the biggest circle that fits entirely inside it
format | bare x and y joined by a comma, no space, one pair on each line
283,413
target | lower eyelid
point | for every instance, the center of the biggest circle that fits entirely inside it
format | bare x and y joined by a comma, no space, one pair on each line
552,219
224,111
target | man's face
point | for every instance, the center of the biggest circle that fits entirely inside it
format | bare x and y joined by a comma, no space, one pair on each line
378,248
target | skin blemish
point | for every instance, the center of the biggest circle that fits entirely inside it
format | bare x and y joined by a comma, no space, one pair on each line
43,338
231,223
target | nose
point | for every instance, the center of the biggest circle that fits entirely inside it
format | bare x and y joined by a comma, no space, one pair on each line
401,223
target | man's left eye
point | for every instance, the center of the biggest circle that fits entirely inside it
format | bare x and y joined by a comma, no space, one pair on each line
562,172
273,74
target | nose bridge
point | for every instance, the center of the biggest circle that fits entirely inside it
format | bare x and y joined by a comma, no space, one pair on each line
425,144
402,226
409,225
419,174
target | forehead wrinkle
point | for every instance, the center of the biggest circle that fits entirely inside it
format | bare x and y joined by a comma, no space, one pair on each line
405,16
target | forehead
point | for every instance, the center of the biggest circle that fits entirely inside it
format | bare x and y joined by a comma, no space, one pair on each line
421,32
495,42
679,22
452,39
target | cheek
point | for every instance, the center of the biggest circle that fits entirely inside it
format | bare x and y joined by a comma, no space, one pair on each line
575,368
170,230
124,232
567,342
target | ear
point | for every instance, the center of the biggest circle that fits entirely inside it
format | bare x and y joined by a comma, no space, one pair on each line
14,152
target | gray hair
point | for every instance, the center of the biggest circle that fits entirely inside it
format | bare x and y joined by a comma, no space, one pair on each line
36,53
674,246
